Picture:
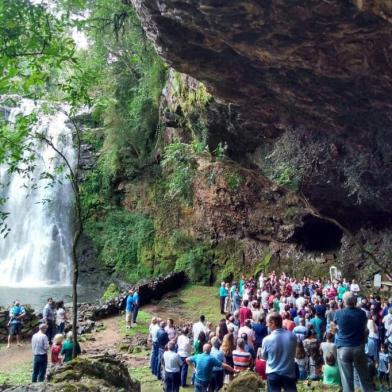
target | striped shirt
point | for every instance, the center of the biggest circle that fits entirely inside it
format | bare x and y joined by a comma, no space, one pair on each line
241,359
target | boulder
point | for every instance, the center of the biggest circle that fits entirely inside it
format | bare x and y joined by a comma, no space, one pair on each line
100,373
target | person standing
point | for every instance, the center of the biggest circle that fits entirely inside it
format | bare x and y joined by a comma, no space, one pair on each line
184,351
40,347
245,313
48,318
173,363
204,366
135,305
60,318
199,327
16,314
217,371
350,342
162,340
223,293
129,309
278,349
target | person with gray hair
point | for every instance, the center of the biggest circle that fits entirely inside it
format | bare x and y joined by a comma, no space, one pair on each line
217,371
173,363
40,347
350,342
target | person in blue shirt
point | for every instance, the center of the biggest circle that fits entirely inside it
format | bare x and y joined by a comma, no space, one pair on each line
129,309
205,364
16,314
278,349
223,293
135,305
350,342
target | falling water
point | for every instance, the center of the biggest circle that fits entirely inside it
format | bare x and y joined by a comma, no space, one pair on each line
37,251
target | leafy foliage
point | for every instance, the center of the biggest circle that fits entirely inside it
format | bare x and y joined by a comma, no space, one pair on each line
179,165
122,239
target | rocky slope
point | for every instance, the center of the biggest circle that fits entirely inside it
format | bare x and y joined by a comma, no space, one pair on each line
308,84
301,95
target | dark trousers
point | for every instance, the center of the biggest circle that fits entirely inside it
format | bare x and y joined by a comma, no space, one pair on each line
40,362
49,331
135,312
184,371
172,382
60,328
222,304
216,381
277,382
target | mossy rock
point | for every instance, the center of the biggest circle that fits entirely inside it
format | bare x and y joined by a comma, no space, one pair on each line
245,382
111,292
102,371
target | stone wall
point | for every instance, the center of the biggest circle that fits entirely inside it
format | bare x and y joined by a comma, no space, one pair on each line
29,325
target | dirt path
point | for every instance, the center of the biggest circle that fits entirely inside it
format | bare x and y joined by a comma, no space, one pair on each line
105,340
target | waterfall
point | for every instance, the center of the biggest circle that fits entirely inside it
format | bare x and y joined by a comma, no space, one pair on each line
37,250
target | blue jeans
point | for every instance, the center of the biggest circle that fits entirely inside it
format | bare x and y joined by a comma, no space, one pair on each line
157,369
276,382
40,362
154,358
184,371
350,358
201,386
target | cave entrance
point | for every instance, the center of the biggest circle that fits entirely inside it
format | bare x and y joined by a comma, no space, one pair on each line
318,235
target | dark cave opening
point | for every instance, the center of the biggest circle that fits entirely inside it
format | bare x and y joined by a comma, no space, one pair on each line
318,235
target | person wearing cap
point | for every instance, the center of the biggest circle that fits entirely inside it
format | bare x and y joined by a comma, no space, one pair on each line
40,347
16,314
129,309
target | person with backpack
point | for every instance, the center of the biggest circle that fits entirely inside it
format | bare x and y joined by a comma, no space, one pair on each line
16,314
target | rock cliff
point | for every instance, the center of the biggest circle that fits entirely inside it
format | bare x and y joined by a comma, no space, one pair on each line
300,95
306,82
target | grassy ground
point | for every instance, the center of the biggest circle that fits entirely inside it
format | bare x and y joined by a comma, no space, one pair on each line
21,375
186,305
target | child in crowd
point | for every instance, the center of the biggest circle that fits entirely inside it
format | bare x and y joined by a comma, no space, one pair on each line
56,349
301,361
383,371
331,374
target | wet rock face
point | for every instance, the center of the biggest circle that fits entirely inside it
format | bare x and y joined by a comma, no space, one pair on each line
319,69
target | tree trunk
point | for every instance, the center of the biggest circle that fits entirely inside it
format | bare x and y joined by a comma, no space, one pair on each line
75,277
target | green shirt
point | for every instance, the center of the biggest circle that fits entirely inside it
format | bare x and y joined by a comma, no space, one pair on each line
197,347
331,375
341,291
67,348
276,305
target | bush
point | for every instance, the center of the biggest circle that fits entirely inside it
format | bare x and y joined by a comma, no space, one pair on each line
123,239
111,292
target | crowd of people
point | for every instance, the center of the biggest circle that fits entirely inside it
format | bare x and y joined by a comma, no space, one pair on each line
285,330
52,337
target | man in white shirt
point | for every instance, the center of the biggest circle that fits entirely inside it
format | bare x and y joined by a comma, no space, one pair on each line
247,329
173,365
264,300
184,351
354,288
154,327
40,347
199,327
387,320
300,302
